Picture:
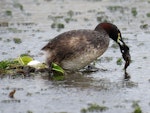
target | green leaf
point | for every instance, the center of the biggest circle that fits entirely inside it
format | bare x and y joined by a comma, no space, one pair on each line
24,60
57,68
58,77
119,61
6,63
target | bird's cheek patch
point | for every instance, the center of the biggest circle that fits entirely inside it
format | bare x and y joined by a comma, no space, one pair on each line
119,38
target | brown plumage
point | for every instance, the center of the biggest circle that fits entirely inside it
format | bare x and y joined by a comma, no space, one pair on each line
75,49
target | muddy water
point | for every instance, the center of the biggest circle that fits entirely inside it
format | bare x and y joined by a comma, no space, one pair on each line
31,22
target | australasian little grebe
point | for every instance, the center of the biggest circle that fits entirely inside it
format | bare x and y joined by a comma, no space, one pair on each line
73,50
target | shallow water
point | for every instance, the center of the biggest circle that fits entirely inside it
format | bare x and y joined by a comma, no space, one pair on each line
32,25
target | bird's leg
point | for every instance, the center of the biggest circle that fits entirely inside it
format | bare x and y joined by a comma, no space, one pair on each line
126,75
50,71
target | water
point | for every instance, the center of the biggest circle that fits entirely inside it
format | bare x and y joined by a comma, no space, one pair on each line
32,25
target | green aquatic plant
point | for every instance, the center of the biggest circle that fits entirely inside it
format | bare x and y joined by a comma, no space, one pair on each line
8,13
18,5
119,61
58,26
67,20
29,111
58,77
26,66
134,11
116,8
70,13
24,59
6,63
102,18
148,14
94,108
17,40
144,26
137,108
57,68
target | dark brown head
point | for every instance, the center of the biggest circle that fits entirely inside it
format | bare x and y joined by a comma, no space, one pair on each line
111,29
115,34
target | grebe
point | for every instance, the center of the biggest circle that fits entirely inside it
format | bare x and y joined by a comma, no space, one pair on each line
73,50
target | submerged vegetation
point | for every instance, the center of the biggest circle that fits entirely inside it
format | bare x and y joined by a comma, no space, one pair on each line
25,66
8,13
18,5
94,108
137,108
17,40
134,11
116,8
119,61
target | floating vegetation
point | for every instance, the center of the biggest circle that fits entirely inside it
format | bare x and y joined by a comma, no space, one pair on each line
134,11
70,13
11,101
57,22
102,18
67,20
119,61
29,111
25,66
57,68
144,26
58,26
17,40
8,13
116,8
137,108
148,14
24,59
18,5
5,64
14,30
94,108
55,18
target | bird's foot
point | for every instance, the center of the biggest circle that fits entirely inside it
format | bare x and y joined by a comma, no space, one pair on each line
90,68
126,76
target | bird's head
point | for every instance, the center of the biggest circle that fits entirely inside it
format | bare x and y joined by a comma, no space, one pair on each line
115,34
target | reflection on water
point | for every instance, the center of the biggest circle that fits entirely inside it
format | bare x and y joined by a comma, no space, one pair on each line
34,23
